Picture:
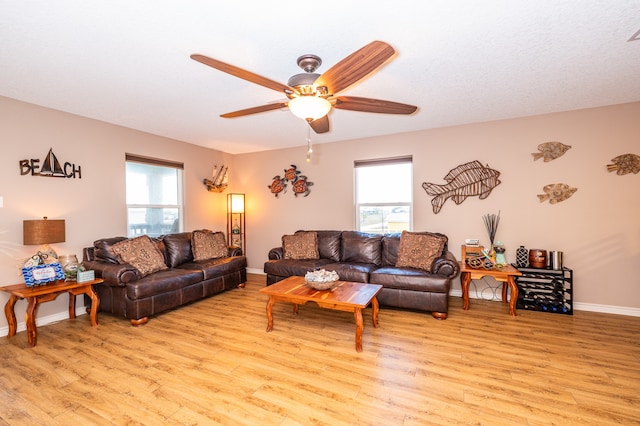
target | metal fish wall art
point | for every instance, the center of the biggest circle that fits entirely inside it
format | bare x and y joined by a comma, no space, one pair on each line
466,180
550,151
556,192
626,163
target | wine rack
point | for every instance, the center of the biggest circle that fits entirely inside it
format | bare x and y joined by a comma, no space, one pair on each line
547,290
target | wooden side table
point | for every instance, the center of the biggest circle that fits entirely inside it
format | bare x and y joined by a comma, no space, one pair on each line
505,275
45,293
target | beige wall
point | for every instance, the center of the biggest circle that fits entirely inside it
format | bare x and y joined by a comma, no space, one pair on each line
93,206
598,228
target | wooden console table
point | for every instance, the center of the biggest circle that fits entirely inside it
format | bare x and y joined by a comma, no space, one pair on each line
505,275
45,293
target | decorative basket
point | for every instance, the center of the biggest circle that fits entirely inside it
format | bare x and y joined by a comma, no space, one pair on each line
321,280
321,285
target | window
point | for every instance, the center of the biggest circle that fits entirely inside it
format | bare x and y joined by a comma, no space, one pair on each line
384,194
154,196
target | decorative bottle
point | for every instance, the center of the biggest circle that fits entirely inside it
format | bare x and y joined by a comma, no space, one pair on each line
236,228
522,257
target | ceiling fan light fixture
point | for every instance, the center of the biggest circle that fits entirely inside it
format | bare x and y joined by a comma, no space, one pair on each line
309,108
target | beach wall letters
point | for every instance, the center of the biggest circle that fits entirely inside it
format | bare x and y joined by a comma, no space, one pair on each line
50,167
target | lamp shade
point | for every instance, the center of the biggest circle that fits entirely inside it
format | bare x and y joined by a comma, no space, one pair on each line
309,107
235,203
43,231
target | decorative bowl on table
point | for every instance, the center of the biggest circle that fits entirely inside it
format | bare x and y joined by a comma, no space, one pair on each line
321,279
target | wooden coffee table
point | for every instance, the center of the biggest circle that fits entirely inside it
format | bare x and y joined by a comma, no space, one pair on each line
44,293
345,296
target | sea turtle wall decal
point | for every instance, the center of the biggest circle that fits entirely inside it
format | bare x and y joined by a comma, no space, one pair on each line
299,182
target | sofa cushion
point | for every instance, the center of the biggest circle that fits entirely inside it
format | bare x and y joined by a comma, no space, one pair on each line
329,244
178,248
301,245
208,245
290,267
141,253
163,284
212,268
419,249
360,247
355,272
102,249
410,279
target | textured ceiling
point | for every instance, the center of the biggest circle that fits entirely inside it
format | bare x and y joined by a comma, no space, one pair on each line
127,62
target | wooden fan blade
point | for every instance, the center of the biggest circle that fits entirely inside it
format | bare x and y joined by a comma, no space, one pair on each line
254,110
320,125
243,74
354,103
355,66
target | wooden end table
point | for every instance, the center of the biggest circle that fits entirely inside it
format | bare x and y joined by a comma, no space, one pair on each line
504,275
345,296
45,293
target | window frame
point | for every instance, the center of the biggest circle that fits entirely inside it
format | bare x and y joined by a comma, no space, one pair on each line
150,161
408,159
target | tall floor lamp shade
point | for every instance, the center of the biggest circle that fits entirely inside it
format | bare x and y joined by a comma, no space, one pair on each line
236,221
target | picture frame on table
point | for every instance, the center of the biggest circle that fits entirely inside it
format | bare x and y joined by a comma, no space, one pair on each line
42,274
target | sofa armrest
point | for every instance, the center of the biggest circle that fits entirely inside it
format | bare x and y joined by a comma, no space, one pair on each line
116,275
276,253
446,265
235,251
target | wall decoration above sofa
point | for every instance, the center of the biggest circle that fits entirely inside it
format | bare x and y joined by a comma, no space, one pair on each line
219,181
550,151
299,182
624,164
556,192
466,180
51,167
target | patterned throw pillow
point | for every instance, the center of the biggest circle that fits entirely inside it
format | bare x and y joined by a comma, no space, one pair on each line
206,244
302,245
141,253
419,250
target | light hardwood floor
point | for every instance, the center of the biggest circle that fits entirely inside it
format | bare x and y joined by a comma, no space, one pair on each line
213,363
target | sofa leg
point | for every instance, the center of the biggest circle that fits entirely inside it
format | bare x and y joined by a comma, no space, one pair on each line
138,322
439,315
241,285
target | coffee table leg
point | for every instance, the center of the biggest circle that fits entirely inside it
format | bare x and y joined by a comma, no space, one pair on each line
357,313
375,308
269,315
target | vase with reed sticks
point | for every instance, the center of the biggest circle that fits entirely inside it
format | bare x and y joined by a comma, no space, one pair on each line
491,222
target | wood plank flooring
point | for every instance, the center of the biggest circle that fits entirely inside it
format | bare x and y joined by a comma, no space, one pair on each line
212,362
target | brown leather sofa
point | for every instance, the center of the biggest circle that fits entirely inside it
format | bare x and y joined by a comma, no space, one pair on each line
371,258
136,298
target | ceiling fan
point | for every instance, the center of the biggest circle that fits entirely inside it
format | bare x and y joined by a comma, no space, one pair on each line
311,95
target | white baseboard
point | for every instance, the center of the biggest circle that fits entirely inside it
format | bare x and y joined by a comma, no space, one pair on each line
592,307
41,321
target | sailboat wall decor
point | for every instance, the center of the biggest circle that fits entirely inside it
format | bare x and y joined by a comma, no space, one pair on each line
218,181
51,167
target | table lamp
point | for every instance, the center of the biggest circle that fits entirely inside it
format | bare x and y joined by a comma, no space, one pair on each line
43,232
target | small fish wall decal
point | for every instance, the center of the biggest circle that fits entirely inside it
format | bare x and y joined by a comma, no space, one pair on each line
550,151
466,180
556,192
626,163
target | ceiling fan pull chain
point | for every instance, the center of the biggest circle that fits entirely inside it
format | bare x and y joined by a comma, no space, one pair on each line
309,149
